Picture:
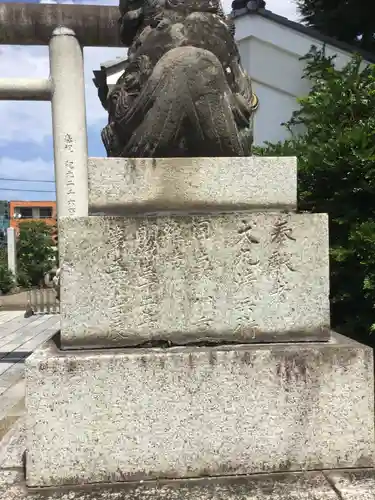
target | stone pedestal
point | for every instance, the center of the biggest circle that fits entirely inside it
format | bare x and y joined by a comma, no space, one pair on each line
201,250
119,185
214,292
139,414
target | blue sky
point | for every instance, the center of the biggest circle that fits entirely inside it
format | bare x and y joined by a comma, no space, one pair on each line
26,134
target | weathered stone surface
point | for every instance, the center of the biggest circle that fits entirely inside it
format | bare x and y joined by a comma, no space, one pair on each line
129,185
353,485
292,486
182,279
11,485
184,91
134,414
12,446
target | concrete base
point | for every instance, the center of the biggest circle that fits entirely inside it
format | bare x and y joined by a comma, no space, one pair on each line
140,414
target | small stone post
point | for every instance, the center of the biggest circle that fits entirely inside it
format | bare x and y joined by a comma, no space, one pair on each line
12,250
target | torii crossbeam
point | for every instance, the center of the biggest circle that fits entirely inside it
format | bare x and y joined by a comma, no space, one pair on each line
33,24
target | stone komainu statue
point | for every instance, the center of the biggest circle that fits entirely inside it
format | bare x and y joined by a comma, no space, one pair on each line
183,91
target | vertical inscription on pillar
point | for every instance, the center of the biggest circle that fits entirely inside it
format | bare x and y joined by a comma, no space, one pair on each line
279,262
70,191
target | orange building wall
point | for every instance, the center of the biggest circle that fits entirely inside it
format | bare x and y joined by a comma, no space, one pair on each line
32,204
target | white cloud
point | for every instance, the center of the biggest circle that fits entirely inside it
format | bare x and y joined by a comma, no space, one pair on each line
26,120
41,168
31,121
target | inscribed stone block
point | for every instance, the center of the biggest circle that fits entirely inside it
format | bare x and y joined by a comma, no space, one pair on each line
233,277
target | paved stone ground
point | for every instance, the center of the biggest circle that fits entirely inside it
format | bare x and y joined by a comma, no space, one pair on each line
19,337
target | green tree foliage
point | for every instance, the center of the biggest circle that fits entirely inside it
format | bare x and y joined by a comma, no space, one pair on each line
6,276
336,165
35,254
351,21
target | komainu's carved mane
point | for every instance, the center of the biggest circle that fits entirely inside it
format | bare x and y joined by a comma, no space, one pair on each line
183,91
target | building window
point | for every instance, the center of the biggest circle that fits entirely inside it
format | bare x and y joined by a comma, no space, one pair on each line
23,212
45,212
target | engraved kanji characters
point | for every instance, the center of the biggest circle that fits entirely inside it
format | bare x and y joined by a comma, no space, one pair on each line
280,259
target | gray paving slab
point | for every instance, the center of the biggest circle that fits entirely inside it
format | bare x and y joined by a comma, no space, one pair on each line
19,336
12,326
8,315
25,332
14,373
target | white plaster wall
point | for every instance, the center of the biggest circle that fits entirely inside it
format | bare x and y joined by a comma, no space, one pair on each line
113,75
270,53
